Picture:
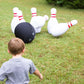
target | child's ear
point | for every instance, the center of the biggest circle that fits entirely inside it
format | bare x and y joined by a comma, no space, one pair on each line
23,50
8,51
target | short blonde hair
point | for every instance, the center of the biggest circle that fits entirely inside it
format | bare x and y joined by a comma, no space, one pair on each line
16,46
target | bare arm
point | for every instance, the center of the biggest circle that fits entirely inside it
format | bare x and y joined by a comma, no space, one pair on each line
37,73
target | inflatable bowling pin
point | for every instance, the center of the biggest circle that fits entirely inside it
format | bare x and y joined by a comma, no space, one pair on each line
61,28
52,21
34,12
37,21
20,16
15,19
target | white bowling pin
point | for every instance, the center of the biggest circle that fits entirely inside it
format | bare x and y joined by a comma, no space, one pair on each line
34,12
40,22
20,16
15,19
61,28
52,21
33,19
37,21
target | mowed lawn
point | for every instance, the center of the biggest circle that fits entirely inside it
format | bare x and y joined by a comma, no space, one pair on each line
60,60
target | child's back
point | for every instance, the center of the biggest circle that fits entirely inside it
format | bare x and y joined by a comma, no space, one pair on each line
16,69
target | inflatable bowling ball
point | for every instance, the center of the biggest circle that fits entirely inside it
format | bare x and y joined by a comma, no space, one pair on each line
25,31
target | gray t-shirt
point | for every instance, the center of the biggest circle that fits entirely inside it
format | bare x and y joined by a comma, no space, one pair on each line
16,70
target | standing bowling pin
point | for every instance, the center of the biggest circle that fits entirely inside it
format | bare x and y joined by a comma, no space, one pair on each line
20,16
61,28
37,21
34,12
15,19
53,21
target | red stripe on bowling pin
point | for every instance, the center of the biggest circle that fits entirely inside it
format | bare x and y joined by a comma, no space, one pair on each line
69,24
53,15
34,14
20,17
15,14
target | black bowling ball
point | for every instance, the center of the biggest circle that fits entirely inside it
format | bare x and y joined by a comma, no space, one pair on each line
25,31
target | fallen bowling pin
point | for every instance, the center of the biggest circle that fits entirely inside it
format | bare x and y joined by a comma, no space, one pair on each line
61,28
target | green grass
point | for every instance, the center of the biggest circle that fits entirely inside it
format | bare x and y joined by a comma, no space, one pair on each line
60,60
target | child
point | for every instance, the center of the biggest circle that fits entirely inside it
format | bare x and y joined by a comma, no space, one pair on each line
16,69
